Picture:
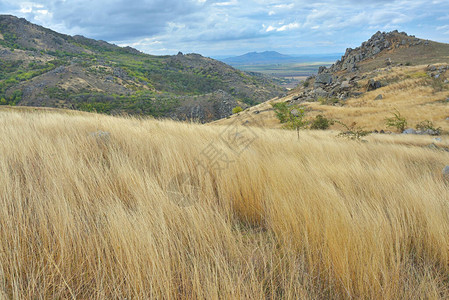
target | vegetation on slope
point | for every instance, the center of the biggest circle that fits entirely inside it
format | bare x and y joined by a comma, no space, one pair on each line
411,90
56,70
92,206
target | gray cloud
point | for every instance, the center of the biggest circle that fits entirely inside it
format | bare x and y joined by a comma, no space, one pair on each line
234,26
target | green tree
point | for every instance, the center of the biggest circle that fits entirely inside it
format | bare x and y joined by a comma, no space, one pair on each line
292,116
281,110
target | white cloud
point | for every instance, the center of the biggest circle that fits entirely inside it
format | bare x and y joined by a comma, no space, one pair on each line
285,6
289,27
228,3
286,27
443,27
28,7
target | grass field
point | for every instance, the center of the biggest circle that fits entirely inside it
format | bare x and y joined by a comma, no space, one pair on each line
85,214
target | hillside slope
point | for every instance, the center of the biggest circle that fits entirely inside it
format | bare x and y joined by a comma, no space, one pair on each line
392,71
39,67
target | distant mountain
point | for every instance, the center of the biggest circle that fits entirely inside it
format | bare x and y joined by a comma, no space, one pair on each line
273,57
40,67
257,58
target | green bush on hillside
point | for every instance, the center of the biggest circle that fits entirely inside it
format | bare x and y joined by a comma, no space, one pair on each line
320,122
237,109
396,121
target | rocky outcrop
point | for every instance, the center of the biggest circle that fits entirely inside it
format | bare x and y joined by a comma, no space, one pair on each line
436,72
205,108
373,85
378,43
329,86
345,78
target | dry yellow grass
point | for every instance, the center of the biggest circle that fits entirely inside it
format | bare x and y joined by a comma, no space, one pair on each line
320,218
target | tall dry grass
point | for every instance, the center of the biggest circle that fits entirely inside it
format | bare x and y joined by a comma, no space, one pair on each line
320,218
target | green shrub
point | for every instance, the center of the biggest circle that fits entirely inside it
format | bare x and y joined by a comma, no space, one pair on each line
237,109
437,84
427,125
397,121
419,75
353,131
322,123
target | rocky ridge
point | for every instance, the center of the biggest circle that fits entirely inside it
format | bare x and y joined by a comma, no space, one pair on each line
343,79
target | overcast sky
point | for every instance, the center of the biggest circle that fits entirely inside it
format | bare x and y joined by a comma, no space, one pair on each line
216,28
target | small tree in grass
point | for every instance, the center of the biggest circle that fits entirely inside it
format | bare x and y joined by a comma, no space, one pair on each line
292,116
352,132
397,121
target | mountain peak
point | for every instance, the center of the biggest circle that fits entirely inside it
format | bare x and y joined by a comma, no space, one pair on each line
257,58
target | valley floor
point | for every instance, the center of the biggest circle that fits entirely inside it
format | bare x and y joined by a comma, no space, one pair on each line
94,206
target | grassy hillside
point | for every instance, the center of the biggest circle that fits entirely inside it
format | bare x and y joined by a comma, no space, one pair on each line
40,67
94,206
409,89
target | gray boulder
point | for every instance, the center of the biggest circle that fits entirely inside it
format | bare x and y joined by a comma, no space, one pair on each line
319,92
446,172
373,85
345,85
101,137
321,69
379,97
429,132
409,131
324,78
376,50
